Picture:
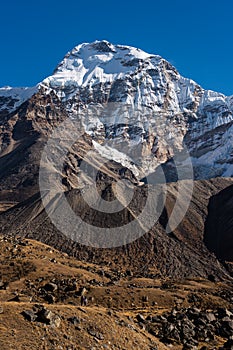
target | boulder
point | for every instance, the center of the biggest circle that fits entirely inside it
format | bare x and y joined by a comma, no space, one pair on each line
46,316
29,315
50,287
141,318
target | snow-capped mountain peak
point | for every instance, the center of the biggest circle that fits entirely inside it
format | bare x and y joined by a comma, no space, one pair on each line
98,62
144,78
178,111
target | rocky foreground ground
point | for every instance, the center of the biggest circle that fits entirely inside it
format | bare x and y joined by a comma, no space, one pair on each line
40,305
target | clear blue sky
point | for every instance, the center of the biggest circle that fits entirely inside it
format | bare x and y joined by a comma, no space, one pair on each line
195,36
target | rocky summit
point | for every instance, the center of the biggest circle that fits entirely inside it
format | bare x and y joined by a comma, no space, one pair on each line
165,110
143,157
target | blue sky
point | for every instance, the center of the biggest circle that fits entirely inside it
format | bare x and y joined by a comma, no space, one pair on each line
195,36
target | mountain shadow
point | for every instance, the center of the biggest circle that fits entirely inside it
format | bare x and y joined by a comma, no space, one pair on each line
218,235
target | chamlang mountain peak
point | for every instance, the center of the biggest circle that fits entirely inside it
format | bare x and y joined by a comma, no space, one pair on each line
135,111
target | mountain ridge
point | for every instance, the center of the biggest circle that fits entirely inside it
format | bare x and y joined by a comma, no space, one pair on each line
100,73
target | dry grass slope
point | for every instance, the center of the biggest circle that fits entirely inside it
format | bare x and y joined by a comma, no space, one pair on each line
119,305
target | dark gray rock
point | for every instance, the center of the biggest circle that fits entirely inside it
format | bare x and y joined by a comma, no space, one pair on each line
48,317
15,298
141,318
74,320
95,334
223,312
187,330
50,298
210,317
50,287
29,315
